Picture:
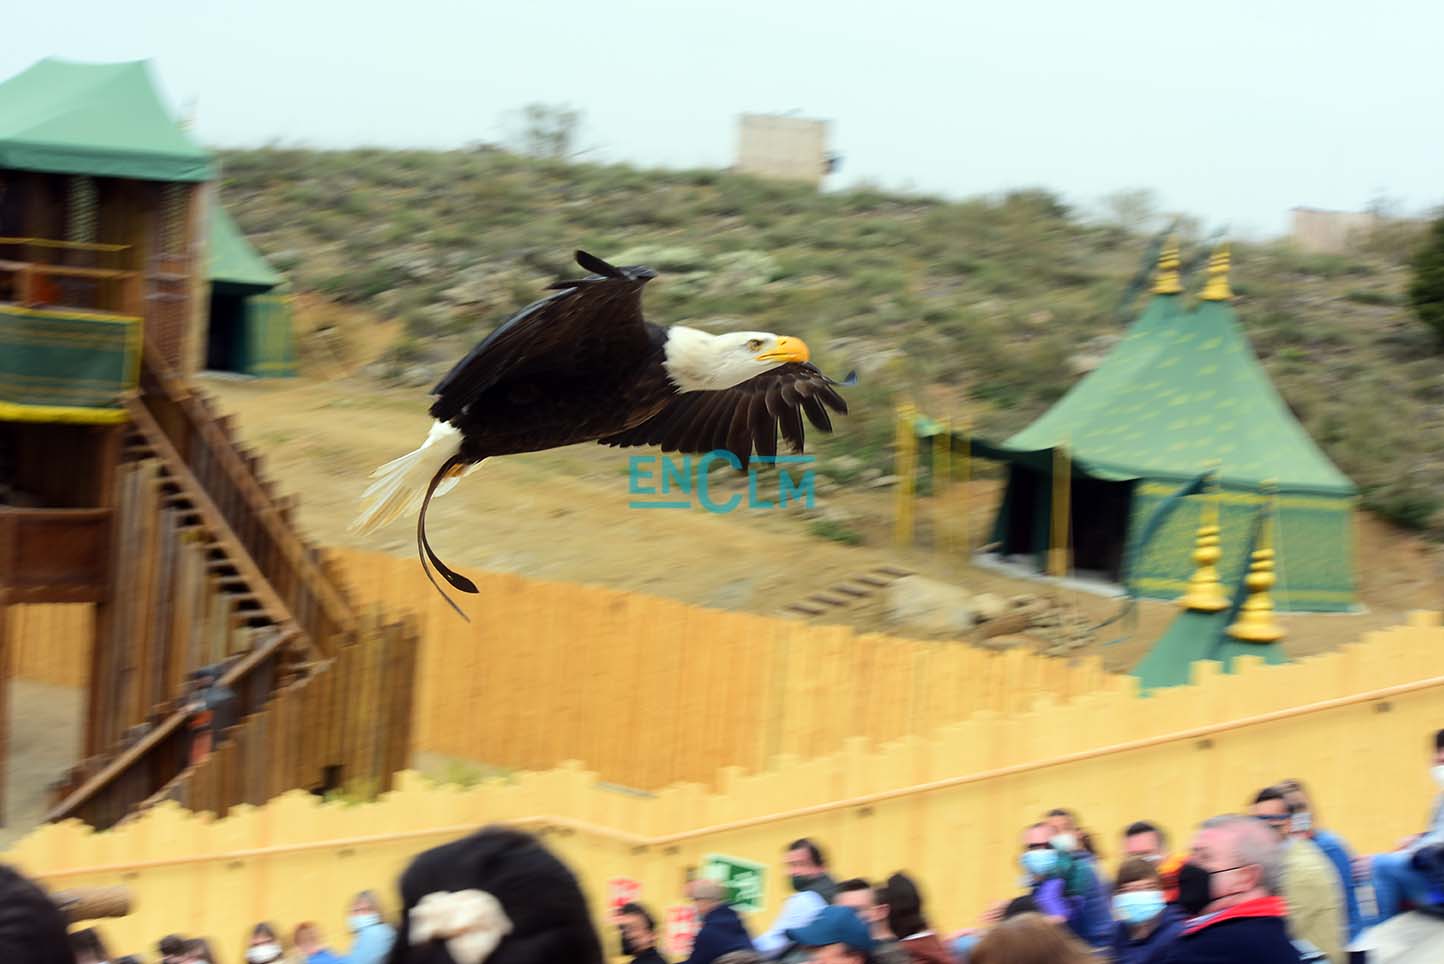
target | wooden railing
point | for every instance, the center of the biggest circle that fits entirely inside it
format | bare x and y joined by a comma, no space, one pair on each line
343,723
231,477
344,726
53,555
108,790
41,272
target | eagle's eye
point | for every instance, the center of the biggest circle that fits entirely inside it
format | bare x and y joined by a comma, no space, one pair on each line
754,344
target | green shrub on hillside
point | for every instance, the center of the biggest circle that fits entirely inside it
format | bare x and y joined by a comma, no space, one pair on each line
990,298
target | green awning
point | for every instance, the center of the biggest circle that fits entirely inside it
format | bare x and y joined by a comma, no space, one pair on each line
232,259
105,120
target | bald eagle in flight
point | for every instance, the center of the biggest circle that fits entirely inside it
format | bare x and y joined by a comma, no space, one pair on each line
583,365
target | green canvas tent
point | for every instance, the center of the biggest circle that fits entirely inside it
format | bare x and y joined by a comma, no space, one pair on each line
1182,392
104,120
250,328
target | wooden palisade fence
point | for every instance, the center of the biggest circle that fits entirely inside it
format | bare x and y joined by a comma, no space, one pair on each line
648,691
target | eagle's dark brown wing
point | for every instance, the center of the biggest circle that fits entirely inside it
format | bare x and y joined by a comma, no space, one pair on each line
595,319
745,418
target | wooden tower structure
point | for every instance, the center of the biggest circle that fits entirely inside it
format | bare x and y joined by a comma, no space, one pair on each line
227,661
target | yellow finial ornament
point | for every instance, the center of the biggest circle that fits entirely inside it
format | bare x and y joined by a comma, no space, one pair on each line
1255,622
1217,289
1205,593
1167,282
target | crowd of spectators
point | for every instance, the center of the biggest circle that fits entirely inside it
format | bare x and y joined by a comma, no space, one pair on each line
1269,886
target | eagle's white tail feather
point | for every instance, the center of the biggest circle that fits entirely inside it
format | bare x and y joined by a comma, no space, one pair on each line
400,485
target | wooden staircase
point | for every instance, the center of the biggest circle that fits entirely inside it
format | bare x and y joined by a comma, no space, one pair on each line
208,570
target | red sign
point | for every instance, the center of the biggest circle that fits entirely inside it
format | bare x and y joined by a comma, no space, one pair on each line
682,929
622,890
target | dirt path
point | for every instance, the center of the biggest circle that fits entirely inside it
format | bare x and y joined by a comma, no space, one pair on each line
565,515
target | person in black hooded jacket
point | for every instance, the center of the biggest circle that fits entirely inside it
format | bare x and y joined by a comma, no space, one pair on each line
498,891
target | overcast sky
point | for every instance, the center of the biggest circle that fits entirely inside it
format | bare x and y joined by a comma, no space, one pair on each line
1234,111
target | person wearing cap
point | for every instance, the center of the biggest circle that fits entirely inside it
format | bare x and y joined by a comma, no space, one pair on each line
835,936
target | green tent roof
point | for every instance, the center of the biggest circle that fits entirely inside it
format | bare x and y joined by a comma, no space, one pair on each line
105,120
233,260
1181,391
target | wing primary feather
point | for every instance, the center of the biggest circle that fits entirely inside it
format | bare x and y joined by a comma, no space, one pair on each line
764,428
816,414
791,423
773,399
739,435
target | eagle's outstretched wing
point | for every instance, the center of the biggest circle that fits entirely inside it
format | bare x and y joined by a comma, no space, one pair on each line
606,306
744,418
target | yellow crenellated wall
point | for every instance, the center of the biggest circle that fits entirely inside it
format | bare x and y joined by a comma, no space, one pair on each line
1356,725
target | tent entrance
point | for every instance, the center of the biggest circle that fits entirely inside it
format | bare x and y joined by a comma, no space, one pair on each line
226,333
1099,511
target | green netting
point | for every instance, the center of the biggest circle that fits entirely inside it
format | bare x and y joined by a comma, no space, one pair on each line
269,342
1312,541
58,365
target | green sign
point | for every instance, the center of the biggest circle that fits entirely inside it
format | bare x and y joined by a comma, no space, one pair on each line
743,879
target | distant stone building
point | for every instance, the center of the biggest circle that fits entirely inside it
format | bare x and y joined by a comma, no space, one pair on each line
1331,232
788,148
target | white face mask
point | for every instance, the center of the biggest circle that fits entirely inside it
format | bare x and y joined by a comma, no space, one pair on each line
263,953
1438,773
1065,842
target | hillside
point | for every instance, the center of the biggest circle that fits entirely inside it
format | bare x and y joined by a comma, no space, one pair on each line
986,306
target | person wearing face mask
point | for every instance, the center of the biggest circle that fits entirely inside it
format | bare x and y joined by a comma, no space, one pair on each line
1054,882
1147,925
814,889
1308,883
372,936
1229,889
1395,876
263,946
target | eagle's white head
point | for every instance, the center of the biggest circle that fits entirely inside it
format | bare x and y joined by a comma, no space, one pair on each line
699,362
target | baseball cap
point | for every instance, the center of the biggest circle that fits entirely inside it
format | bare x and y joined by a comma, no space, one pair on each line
834,925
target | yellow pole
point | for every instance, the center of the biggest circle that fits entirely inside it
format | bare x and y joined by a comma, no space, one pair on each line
942,481
967,473
1062,479
906,467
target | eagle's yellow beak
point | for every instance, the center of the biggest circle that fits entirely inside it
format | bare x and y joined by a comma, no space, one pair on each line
787,350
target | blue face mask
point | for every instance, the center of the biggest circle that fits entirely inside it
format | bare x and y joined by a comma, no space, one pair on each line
1138,906
1040,863
359,921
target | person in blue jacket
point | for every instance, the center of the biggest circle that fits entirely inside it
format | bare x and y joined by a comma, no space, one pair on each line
722,931
372,937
